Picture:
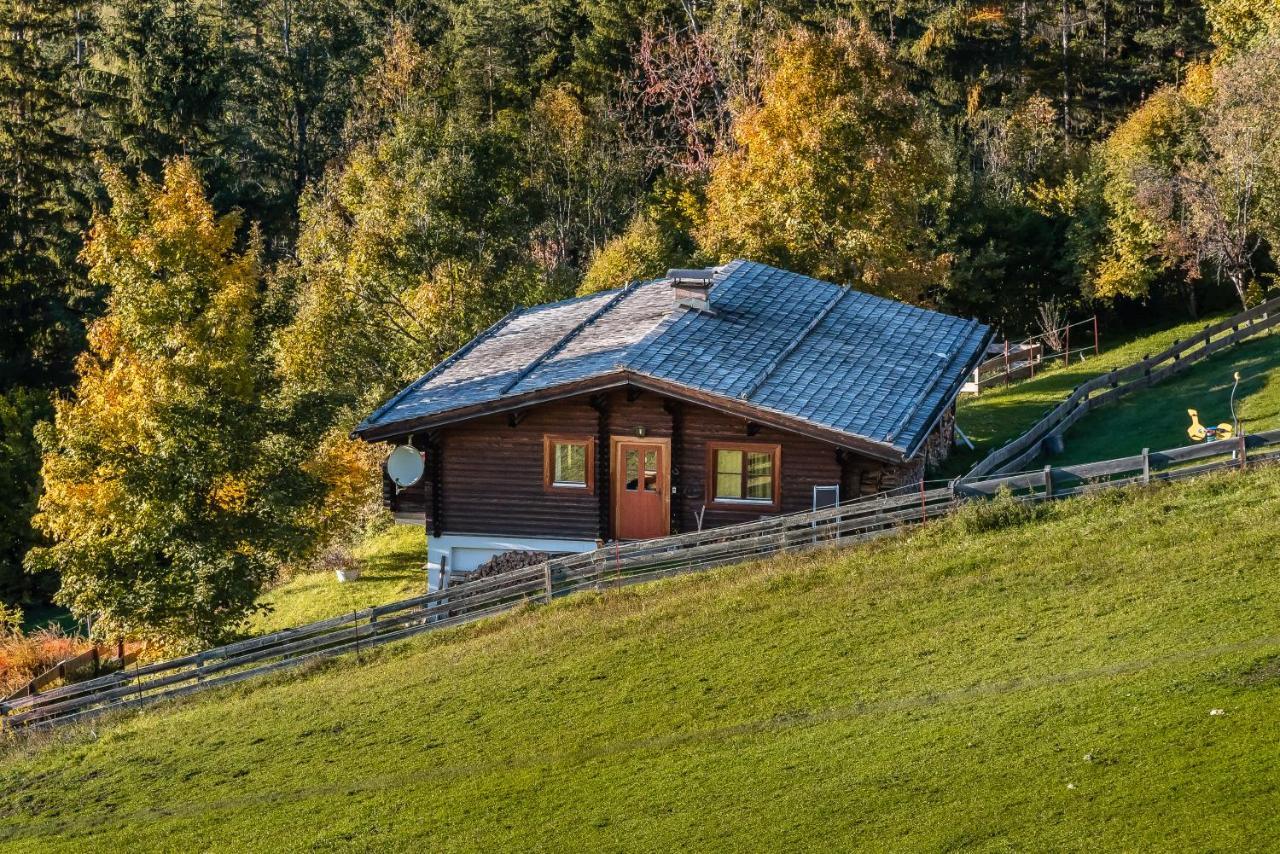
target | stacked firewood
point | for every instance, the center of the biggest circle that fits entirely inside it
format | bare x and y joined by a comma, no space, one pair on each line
508,562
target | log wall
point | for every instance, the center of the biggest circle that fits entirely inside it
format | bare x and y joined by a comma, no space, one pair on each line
491,468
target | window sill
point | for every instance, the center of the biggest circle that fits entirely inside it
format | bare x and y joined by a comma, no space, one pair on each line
742,504
567,489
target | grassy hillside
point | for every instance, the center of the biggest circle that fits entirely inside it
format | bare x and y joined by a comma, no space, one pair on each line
1157,417
391,564
1031,686
1000,414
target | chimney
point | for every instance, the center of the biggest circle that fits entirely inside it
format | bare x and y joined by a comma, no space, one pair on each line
691,289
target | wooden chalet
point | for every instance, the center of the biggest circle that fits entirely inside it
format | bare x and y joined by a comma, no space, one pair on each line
705,398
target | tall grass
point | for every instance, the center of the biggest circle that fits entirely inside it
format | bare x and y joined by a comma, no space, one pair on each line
23,656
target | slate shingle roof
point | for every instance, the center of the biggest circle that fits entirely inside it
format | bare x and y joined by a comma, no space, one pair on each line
874,369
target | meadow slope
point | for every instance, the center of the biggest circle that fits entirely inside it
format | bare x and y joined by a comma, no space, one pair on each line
1043,684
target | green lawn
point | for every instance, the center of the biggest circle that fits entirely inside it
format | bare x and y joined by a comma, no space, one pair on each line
997,415
1044,686
1157,418
391,568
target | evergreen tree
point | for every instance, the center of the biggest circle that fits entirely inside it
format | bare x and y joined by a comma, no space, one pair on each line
42,203
20,410
45,101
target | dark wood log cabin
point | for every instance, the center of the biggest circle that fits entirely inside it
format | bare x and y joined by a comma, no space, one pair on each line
702,399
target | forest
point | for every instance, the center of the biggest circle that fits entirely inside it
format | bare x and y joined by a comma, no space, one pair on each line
229,230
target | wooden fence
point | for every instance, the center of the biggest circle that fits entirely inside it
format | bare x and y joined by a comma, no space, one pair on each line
96,659
1019,453
611,566
1021,359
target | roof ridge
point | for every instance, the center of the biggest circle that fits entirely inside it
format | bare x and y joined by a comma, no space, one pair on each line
763,375
564,340
441,366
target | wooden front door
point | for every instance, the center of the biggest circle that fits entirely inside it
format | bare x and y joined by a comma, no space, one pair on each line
641,488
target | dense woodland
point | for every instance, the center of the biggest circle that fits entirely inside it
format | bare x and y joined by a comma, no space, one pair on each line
227,230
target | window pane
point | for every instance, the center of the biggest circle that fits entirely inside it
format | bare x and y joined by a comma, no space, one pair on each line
728,474
760,476
571,463
650,471
632,465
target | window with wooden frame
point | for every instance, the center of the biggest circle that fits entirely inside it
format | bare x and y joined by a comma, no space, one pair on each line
744,473
569,464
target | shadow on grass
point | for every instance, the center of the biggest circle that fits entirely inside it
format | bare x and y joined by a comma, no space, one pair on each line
1157,417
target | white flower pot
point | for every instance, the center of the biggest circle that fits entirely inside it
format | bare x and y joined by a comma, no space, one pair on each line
345,575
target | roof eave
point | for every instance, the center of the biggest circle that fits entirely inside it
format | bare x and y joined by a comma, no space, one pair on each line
952,393
862,445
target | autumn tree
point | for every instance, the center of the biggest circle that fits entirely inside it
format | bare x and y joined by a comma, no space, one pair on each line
839,173
170,491
1191,182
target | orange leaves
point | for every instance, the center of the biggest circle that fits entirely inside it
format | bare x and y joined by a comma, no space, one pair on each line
349,470
181,293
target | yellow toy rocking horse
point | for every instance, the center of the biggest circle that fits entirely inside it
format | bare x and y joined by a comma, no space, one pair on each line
1200,433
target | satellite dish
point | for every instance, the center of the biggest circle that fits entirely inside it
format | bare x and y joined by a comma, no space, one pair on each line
405,466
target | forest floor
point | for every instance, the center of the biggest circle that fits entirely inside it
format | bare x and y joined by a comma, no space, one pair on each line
1103,677
1154,418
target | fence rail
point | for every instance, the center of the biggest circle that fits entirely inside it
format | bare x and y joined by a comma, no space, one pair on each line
1105,388
615,565
97,658
1020,359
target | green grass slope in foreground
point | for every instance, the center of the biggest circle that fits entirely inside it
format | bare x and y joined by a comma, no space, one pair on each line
1044,685
391,564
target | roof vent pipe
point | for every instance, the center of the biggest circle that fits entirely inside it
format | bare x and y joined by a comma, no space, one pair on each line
692,288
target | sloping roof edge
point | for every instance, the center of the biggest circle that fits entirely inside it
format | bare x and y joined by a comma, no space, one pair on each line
371,419
951,395
615,379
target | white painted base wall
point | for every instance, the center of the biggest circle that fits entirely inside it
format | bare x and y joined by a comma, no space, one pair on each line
467,551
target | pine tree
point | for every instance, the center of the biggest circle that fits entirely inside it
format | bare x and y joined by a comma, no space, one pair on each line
42,204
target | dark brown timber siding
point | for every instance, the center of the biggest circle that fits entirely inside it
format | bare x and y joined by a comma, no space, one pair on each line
492,468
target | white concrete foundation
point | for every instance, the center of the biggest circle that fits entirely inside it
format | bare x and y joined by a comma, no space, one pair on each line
465,552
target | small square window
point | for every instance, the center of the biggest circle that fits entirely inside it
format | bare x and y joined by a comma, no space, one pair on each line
571,464
568,463
744,474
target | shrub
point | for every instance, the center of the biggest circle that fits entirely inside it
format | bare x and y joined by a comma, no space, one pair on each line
25,656
1002,511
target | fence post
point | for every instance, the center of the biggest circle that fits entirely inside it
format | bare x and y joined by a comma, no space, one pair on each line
1241,450
1146,466
1006,360
1096,350
1048,482
547,579
1066,349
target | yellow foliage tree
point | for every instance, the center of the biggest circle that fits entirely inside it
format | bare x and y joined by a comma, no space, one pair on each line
839,172
169,491
640,252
